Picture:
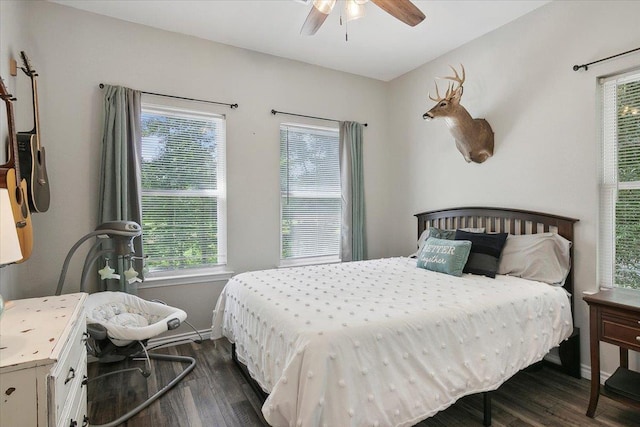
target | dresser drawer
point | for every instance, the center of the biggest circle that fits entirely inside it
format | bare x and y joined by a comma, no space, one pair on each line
74,412
68,373
621,330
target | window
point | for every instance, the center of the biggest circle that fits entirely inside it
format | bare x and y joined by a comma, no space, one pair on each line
619,246
183,188
310,197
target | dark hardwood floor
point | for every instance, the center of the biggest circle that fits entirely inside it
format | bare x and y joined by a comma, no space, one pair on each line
215,394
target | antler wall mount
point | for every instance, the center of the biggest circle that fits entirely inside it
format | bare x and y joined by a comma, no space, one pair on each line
474,137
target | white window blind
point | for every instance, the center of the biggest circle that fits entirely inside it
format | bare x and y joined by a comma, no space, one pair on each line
310,192
619,239
183,188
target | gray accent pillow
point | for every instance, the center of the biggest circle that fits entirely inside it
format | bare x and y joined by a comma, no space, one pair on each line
444,256
544,257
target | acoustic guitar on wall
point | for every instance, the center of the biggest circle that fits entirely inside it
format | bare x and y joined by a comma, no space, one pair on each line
31,152
11,179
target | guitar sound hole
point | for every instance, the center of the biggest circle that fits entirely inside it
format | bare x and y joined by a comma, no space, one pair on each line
20,202
18,195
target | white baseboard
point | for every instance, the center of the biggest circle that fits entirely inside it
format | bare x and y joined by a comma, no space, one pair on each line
177,339
585,370
169,341
553,358
586,373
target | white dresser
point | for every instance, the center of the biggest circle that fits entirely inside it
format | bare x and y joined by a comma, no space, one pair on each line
43,362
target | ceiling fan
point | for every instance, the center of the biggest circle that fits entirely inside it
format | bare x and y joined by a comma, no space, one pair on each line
404,10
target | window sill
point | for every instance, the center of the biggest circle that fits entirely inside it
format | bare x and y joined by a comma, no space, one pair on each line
300,262
185,278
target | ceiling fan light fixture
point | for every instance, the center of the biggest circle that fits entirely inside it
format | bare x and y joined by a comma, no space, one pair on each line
403,10
324,6
354,9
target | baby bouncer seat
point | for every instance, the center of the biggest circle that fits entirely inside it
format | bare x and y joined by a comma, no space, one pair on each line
119,324
118,319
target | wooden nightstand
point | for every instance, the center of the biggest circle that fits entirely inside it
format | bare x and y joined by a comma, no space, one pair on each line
614,317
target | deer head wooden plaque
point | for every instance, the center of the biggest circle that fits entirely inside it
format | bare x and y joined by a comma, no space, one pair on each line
474,137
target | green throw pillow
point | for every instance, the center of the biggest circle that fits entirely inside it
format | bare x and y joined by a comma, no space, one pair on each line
442,233
444,256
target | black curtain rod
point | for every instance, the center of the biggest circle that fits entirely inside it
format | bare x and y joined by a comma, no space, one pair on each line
586,66
186,99
274,112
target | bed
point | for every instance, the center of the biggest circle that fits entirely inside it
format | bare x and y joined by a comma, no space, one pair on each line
384,343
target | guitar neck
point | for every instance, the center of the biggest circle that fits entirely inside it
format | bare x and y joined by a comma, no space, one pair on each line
13,144
36,114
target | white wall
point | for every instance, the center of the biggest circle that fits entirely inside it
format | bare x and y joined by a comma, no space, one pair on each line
544,116
74,51
12,36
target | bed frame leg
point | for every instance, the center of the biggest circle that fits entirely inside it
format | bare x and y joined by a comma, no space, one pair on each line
486,401
569,353
262,395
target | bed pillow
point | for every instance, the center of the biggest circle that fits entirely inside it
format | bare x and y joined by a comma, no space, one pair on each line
448,234
421,240
444,256
544,257
440,233
485,252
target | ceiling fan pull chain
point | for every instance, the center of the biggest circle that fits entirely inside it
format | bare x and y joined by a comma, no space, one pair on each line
346,28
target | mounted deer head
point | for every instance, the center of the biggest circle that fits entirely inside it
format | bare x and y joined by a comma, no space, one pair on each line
474,137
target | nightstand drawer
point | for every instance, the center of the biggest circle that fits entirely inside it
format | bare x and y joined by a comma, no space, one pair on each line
621,330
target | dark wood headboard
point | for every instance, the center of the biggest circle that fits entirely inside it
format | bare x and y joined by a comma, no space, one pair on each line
513,221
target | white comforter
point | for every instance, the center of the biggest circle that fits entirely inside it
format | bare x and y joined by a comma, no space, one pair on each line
381,342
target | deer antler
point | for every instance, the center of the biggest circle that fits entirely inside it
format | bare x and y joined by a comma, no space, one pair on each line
456,77
451,88
437,94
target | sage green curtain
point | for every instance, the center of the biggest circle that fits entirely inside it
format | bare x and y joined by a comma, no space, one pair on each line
120,189
353,239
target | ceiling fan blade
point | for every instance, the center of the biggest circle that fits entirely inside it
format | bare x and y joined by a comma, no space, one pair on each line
403,10
314,21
